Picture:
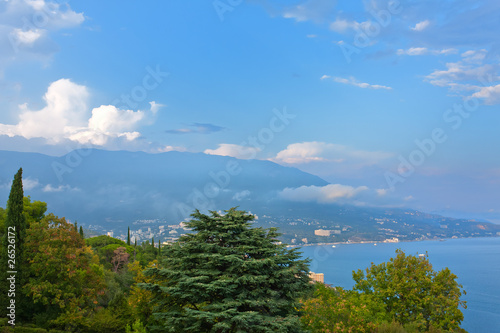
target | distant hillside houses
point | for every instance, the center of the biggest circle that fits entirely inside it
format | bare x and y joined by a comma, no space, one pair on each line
321,232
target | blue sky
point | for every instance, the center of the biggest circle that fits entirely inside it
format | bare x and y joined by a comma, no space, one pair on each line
396,103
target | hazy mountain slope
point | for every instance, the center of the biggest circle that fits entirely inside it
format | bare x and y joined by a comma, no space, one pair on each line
121,185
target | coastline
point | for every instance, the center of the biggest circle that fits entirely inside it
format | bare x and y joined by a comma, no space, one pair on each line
384,242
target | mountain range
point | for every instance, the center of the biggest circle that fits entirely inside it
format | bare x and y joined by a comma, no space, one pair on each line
114,189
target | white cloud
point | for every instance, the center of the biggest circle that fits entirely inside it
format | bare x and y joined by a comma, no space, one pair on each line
27,37
324,77
491,95
26,26
421,25
66,105
315,10
29,184
108,118
306,152
381,192
65,116
353,82
416,51
155,107
227,149
322,194
241,195
471,74
60,188
165,149
342,25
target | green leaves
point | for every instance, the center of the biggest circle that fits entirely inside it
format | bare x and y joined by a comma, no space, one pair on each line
65,274
413,292
228,277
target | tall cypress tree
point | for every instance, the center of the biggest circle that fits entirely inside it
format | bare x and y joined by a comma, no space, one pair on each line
15,232
128,236
81,233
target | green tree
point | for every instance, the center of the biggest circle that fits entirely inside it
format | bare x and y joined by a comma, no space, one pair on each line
33,211
228,277
128,236
13,253
339,310
81,233
66,277
413,292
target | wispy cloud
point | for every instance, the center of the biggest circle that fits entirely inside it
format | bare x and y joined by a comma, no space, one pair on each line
353,82
60,188
307,152
491,95
472,76
201,128
310,10
416,51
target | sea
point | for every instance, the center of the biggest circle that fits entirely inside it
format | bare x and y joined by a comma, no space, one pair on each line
475,262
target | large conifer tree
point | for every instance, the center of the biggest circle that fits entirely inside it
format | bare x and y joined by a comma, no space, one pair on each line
228,277
14,234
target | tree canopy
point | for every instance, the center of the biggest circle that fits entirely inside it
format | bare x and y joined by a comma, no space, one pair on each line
66,277
412,292
228,277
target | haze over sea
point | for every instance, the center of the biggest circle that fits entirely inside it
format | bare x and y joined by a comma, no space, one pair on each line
475,261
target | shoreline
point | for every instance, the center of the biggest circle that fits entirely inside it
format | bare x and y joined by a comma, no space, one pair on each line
383,242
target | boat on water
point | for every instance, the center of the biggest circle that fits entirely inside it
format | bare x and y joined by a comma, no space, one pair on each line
333,246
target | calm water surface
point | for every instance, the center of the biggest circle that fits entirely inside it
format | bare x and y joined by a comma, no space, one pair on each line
476,262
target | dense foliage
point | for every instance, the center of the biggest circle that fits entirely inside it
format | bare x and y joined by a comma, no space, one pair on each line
228,277
412,292
402,295
224,276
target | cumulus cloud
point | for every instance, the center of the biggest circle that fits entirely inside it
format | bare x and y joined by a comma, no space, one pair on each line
306,152
66,104
227,149
353,82
416,51
421,25
66,116
331,193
